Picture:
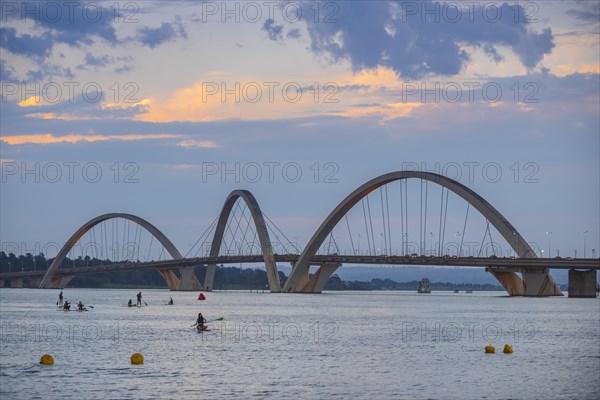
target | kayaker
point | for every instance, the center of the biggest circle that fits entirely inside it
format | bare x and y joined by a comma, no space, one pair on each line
66,305
200,321
171,301
139,299
130,303
80,306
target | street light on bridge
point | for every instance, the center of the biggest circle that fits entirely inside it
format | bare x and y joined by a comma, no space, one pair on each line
549,248
584,233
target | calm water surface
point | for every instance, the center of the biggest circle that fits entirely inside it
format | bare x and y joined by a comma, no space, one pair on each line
337,345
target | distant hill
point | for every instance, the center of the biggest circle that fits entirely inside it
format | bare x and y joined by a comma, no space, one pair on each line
405,274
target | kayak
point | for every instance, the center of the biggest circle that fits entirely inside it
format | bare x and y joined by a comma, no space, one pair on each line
200,329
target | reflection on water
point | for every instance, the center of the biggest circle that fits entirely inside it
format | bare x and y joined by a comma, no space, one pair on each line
376,345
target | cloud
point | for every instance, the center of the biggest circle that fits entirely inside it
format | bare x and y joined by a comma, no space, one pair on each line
589,14
416,43
7,73
74,138
87,20
200,144
72,23
275,32
294,33
33,101
36,47
94,61
152,37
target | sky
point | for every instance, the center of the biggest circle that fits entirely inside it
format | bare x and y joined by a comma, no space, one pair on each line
161,109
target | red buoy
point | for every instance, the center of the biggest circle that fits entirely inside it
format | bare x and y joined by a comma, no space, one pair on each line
201,297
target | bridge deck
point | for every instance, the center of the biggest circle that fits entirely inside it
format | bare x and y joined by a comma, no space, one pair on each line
509,263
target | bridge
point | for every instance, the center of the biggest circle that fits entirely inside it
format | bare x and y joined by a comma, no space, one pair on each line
242,234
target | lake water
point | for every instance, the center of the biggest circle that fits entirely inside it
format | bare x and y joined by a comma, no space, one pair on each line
336,345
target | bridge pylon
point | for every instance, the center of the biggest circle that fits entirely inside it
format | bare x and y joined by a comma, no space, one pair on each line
316,283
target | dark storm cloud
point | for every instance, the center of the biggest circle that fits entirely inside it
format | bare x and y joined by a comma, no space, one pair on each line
419,38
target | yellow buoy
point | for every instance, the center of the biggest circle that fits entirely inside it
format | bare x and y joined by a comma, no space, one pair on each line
137,358
490,349
47,359
507,349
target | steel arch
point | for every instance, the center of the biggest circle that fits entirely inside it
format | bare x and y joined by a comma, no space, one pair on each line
509,233
263,237
169,276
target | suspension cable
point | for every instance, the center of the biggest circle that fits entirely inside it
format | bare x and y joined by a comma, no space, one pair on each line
462,238
401,220
282,234
350,234
440,230
371,225
387,206
445,219
485,233
406,211
383,220
366,225
200,238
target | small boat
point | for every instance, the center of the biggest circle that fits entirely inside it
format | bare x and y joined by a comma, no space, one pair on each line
455,291
424,286
202,328
469,291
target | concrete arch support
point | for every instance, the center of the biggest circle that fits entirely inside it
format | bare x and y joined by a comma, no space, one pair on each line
263,237
297,282
173,281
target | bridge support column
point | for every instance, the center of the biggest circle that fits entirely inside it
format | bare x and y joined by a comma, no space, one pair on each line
188,279
1,283
16,283
58,282
35,282
302,283
209,277
539,283
169,276
317,282
582,283
511,282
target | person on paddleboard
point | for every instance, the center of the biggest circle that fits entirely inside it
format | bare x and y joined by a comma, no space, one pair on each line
130,303
60,298
171,301
200,322
139,299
